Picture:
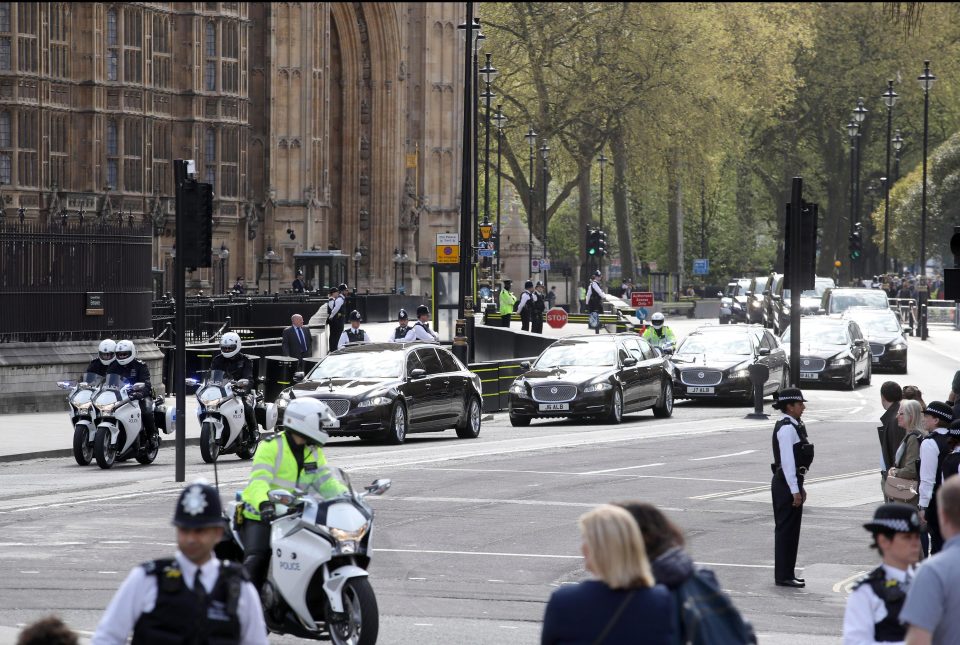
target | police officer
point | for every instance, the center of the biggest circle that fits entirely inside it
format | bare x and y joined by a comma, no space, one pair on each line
792,456
132,370
106,353
237,366
354,334
934,448
291,458
595,300
539,309
421,329
335,317
298,286
525,308
192,597
658,334
873,609
507,302
403,327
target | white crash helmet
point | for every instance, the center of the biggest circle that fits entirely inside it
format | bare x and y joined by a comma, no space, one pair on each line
230,344
126,352
657,320
107,351
306,417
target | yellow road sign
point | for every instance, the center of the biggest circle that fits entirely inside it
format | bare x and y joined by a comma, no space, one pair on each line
448,254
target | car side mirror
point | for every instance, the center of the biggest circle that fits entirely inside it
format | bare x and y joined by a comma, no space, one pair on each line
630,361
298,376
764,351
859,342
418,373
525,365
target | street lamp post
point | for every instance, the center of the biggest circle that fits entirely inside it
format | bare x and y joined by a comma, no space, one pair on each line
544,152
603,164
531,138
852,130
470,28
926,83
897,147
489,72
396,267
270,257
501,120
889,99
357,255
859,115
224,254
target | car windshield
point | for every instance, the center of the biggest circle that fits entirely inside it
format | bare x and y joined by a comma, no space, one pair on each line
577,355
760,285
819,287
820,334
879,324
384,364
874,299
716,344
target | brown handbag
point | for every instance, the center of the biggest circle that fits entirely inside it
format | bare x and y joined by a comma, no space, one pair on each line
902,490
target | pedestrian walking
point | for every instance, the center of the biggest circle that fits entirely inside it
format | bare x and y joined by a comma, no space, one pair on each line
298,285
953,398
595,302
508,303
910,418
525,306
933,599
539,309
623,601
296,340
335,315
889,430
192,597
792,456
552,298
873,609
934,448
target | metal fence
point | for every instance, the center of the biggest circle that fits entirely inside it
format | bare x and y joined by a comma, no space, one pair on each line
74,282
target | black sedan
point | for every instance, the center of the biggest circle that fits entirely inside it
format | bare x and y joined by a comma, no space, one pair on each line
888,343
714,363
832,351
733,302
383,391
593,376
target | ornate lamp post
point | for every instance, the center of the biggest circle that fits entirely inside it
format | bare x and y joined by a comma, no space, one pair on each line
859,116
270,257
889,99
544,152
897,147
489,72
531,138
357,256
852,131
396,267
224,254
603,163
501,120
926,83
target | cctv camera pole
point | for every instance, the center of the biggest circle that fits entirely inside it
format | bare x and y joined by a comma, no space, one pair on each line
180,322
795,272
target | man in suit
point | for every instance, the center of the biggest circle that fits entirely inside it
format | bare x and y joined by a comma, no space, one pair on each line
297,341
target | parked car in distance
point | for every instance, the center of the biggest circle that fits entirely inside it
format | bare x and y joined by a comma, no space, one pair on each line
809,302
771,289
838,299
755,299
384,391
714,362
733,301
888,342
832,350
593,376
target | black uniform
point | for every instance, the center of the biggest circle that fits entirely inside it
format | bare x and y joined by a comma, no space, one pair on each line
933,520
539,307
335,322
136,371
239,366
893,595
97,367
787,517
400,333
525,306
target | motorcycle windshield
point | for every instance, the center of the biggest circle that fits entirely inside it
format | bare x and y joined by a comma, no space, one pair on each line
92,378
337,484
114,381
217,377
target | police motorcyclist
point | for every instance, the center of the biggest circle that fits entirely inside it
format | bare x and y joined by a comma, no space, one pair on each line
192,597
133,370
420,330
658,334
403,327
291,458
106,353
237,366
353,334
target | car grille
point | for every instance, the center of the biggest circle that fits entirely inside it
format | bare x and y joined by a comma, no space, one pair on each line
338,406
554,393
812,364
701,377
877,349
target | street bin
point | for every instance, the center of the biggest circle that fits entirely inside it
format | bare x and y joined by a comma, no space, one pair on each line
278,376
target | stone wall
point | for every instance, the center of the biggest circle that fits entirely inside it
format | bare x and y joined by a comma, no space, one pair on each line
29,372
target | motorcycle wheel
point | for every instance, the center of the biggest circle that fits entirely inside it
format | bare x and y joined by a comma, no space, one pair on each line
102,450
209,447
248,449
362,615
82,449
149,455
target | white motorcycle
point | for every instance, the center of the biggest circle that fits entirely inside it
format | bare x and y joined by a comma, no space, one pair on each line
83,415
120,430
222,421
317,586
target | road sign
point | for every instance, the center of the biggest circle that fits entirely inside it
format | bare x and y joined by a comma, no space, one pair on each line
485,253
544,265
557,317
535,266
642,313
447,254
641,299
701,266
448,239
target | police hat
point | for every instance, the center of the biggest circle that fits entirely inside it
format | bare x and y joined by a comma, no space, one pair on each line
402,315
528,284
507,283
198,507
597,274
342,287
334,290
940,410
423,310
785,396
539,284
894,517
354,315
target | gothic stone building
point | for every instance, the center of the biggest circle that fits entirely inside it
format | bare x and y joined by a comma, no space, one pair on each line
321,125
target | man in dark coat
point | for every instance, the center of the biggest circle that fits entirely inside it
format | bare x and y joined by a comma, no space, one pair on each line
297,341
890,432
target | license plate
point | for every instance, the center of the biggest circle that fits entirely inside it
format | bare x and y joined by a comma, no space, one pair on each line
810,376
554,407
699,390
875,359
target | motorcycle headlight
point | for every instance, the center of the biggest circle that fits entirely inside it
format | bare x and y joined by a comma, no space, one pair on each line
740,374
106,408
598,387
518,389
348,540
373,401
736,305
83,407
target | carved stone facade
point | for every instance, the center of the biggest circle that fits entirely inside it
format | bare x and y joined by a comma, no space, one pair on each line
321,125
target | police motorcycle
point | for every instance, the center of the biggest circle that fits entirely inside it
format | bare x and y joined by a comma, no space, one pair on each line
317,586
83,414
120,431
222,421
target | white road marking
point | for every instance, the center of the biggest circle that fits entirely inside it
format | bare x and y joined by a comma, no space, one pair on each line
423,624
732,454
407,578
496,581
507,627
807,482
29,572
613,470
7,544
481,500
107,572
844,585
115,542
568,474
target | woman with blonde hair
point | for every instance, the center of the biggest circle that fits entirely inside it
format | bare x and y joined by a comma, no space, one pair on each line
622,605
910,418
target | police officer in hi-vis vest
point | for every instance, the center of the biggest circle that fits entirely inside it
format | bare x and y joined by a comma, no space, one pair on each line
403,328
792,456
192,597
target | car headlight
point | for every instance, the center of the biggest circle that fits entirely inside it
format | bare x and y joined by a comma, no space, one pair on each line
898,346
376,400
841,360
755,303
740,374
736,305
598,387
518,389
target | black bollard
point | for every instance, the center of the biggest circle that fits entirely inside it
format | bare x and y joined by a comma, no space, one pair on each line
460,348
759,374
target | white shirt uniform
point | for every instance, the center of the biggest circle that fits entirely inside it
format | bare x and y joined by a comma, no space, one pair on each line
929,456
594,286
138,595
335,307
787,436
394,339
865,609
525,298
419,332
345,340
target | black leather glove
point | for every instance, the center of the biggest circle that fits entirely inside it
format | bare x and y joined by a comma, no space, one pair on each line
268,512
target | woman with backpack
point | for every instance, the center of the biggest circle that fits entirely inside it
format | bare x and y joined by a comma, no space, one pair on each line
703,613
910,418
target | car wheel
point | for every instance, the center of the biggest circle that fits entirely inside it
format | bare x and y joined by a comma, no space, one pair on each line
852,383
397,432
469,426
869,375
664,406
616,407
519,422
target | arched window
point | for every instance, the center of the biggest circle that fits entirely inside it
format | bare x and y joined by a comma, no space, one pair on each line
112,145
210,65
113,47
6,155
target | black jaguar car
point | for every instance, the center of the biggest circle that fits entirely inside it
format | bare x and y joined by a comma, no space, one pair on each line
714,363
383,391
832,351
593,376
888,343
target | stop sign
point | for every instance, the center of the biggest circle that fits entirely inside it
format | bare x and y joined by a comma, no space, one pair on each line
557,317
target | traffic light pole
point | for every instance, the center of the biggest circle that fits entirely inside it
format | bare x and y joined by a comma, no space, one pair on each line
180,322
796,219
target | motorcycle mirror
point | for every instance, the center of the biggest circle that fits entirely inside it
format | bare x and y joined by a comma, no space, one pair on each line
192,381
243,384
280,496
379,486
525,365
139,386
64,385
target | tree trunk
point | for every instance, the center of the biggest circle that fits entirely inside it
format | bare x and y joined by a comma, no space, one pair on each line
618,146
675,215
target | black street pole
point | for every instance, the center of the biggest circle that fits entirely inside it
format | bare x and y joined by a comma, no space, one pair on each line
796,218
466,168
544,151
499,119
926,82
531,138
859,116
488,97
603,164
180,323
890,99
852,131
475,134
